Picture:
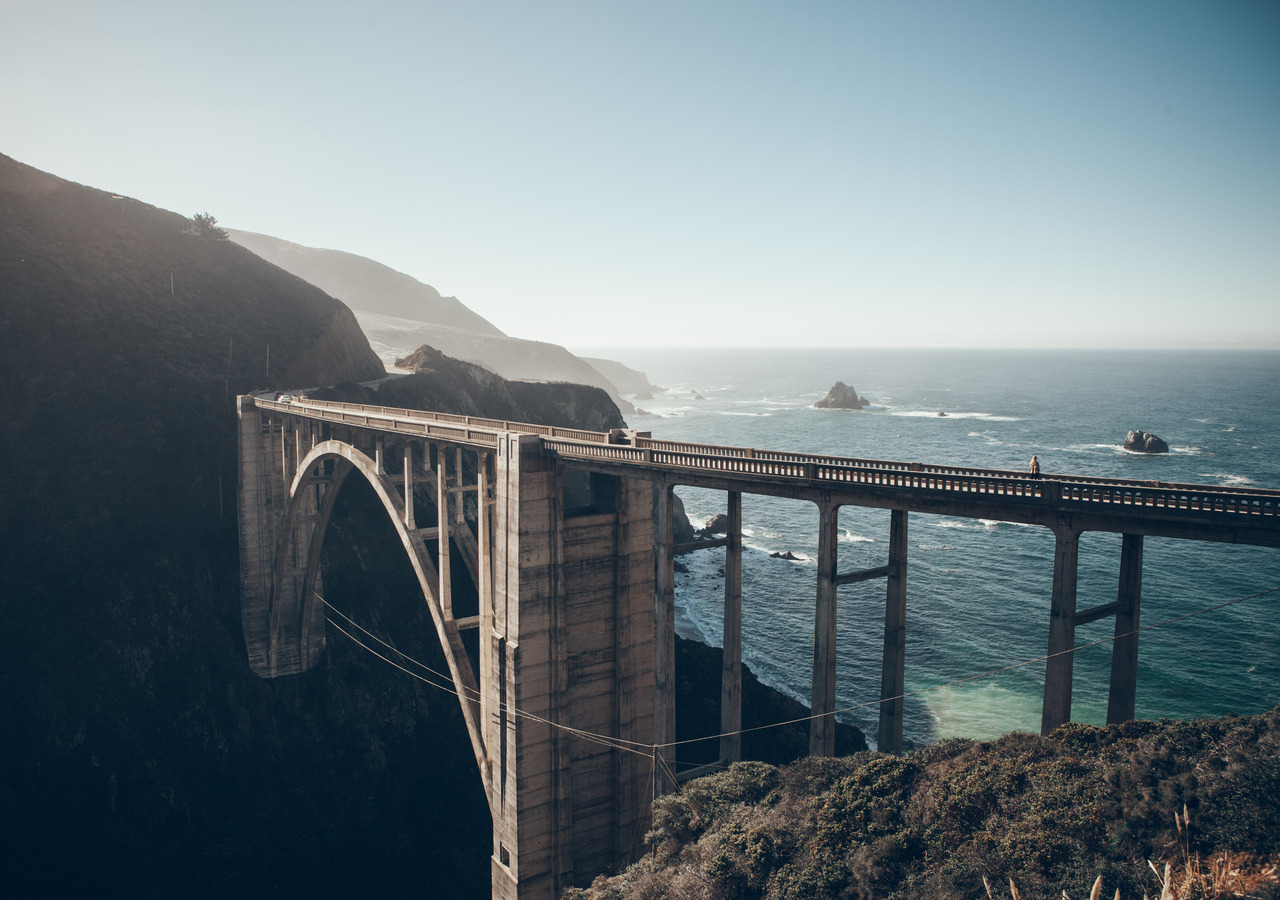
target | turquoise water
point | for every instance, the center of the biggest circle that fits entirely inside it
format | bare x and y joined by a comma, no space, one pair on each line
978,591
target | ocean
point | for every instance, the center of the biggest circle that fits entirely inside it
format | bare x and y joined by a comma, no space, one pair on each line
978,591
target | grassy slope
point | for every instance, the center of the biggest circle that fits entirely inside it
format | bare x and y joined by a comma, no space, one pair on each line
1051,814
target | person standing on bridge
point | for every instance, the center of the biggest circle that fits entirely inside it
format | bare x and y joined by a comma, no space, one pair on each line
1034,468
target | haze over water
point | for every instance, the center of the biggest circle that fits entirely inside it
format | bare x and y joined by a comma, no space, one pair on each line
978,591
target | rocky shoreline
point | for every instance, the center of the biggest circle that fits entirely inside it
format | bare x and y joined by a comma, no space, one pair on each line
698,713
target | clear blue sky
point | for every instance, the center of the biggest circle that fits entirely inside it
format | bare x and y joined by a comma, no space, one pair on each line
685,173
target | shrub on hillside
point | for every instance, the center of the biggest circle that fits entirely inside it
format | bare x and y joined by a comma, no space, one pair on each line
1049,814
684,815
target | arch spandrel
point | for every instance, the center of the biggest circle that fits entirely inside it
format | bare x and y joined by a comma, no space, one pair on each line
348,459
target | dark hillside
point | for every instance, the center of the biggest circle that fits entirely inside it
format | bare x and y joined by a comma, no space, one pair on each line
138,754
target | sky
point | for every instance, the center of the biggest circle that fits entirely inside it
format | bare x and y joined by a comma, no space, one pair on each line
610,174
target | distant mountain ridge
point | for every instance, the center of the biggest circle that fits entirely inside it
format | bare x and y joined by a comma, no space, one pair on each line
512,358
362,283
400,314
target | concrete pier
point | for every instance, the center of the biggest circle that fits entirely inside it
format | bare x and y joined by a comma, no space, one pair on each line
893,671
1062,630
731,664
822,728
1124,650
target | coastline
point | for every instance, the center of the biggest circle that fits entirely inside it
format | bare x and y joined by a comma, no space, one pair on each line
698,667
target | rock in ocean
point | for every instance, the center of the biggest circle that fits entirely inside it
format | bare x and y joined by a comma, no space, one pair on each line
1144,442
841,396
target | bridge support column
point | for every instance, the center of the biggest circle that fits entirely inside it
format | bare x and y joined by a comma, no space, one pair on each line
283,628
442,535
893,662
573,619
632,690
1062,630
822,727
731,665
260,508
1122,701
491,647
409,519
664,617
529,841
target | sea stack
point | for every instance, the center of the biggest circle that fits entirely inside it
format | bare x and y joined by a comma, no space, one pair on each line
841,396
717,524
1144,442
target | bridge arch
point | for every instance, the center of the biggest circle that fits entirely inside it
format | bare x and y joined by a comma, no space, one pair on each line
327,466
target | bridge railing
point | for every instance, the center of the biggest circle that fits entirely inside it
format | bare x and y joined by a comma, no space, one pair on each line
472,428
709,450
1196,498
642,450
1064,489
783,465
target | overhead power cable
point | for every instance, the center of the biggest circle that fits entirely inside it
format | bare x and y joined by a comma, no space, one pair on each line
980,676
450,687
650,750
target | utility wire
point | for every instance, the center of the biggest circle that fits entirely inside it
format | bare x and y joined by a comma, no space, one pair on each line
650,750
585,735
616,743
450,688
970,678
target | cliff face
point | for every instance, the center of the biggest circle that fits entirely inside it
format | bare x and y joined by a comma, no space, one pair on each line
340,348
439,379
399,313
626,379
510,357
133,738
137,750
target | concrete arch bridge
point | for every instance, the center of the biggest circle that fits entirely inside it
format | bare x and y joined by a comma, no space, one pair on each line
573,601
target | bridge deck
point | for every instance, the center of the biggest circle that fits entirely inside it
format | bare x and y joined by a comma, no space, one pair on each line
1188,511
